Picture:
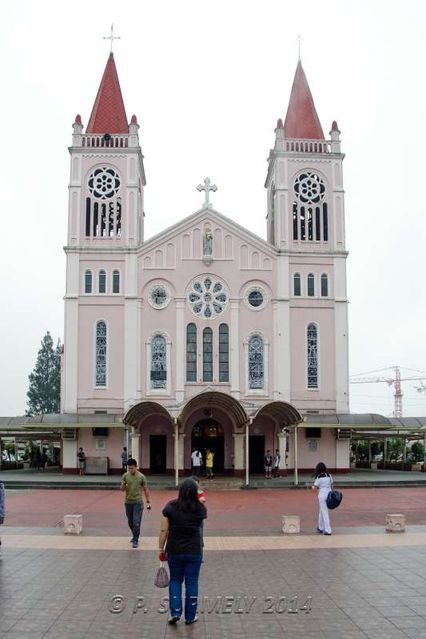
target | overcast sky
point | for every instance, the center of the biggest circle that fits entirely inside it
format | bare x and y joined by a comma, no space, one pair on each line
208,80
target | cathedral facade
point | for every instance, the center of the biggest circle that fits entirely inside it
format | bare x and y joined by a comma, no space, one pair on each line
206,335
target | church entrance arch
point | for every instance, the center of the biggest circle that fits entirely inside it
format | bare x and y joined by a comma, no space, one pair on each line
208,434
152,438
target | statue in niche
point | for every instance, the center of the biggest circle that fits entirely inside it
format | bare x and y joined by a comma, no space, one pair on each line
208,242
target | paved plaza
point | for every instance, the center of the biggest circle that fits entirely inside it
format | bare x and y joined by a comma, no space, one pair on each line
255,582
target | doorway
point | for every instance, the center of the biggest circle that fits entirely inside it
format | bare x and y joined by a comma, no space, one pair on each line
207,434
256,453
158,453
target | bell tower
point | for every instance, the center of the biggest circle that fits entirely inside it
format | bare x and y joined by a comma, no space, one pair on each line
305,222
105,226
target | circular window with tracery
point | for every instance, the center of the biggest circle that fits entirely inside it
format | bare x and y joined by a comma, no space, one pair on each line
309,188
207,297
104,183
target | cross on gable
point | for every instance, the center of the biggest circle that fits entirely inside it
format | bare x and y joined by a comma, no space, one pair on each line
207,187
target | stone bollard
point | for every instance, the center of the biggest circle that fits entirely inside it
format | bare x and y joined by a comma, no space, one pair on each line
395,523
73,524
291,524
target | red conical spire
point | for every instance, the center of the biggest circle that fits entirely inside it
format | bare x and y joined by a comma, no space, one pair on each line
302,120
108,113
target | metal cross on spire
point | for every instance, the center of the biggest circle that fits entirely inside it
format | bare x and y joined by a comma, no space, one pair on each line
112,37
299,42
207,187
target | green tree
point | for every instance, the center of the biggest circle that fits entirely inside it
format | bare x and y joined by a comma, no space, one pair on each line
45,380
417,452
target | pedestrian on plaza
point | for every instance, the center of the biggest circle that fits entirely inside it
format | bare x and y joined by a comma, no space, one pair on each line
209,463
38,459
323,484
197,460
268,459
2,507
43,460
81,455
180,544
277,461
133,483
124,457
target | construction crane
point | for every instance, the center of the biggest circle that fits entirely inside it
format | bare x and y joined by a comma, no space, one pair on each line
394,381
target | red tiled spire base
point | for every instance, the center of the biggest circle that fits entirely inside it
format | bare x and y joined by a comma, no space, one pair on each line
302,120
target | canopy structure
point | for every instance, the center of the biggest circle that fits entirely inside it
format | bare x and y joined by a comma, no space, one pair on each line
218,400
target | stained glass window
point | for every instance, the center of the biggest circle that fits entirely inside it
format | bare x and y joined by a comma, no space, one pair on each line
324,285
223,353
101,353
102,282
158,362
191,353
256,365
207,355
297,285
208,298
116,281
312,341
88,282
311,285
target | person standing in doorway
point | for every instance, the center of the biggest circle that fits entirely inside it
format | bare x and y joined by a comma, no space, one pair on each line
81,461
209,463
277,461
268,464
124,457
197,460
133,483
323,484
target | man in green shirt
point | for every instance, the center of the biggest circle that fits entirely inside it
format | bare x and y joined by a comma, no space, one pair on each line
132,483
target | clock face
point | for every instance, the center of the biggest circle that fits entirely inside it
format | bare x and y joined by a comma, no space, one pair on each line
159,297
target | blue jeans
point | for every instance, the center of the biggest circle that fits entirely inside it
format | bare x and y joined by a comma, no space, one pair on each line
134,517
184,567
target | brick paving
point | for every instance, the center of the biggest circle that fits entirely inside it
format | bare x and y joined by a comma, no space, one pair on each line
363,583
230,512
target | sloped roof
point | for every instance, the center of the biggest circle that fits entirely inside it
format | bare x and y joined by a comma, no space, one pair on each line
108,113
302,119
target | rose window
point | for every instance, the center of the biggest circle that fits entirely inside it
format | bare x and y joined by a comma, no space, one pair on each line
104,183
309,188
207,297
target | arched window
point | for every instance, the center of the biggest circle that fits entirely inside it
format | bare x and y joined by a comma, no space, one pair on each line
223,353
311,285
207,355
256,364
102,282
88,282
101,354
103,205
158,362
324,285
297,285
312,343
191,353
116,281
310,214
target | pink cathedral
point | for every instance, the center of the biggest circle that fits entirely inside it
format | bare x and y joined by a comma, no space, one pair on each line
206,335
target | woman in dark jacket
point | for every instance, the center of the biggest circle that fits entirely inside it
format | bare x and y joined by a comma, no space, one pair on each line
180,542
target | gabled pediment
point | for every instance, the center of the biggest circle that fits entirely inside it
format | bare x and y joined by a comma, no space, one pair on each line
209,236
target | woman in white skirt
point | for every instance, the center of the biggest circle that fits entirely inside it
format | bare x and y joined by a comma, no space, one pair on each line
323,484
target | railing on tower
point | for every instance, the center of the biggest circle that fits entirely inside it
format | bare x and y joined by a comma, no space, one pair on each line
307,146
106,141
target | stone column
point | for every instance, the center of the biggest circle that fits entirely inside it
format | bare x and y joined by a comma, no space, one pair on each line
235,349
282,447
180,367
239,464
181,451
135,438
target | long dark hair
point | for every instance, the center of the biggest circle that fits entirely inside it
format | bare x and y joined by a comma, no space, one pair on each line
321,470
188,496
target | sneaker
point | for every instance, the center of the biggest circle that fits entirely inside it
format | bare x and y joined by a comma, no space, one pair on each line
327,533
132,540
173,620
189,623
135,543
320,531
